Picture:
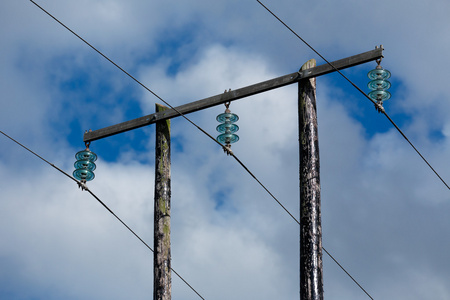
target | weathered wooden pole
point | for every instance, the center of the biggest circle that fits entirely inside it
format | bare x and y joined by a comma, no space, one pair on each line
162,281
311,271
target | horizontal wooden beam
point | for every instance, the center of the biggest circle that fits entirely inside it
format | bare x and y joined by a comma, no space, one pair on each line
232,95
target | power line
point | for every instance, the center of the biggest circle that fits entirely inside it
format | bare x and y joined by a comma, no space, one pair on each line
125,72
348,274
138,237
360,90
382,110
227,150
84,187
34,153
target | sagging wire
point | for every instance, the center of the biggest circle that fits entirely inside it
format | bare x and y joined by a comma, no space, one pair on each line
382,110
82,184
227,150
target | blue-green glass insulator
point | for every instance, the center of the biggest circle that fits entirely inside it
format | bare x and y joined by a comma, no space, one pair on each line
379,74
86,155
379,95
227,128
228,138
379,84
85,164
83,174
227,117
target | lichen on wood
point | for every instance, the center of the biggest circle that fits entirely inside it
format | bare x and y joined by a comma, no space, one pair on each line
162,283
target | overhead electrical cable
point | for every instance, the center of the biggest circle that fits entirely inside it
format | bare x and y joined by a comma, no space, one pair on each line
360,90
84,187
165,102
157,96
126,73
228,151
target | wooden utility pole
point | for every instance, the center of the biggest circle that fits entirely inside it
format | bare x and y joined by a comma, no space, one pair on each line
162,281
311,271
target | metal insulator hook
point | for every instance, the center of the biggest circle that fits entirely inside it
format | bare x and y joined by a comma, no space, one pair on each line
227,107
378,61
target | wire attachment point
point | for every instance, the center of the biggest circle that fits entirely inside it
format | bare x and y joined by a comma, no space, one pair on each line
379,106
227,149
82,185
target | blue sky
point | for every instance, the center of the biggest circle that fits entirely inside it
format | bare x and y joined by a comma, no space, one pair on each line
384,213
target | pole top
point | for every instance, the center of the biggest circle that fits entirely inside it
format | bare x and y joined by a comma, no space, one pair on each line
308,65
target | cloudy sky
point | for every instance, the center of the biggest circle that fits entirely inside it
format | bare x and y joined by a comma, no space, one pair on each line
384,212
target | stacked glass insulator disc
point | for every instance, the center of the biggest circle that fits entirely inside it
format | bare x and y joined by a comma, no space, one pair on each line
227,128
85,166
379,84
